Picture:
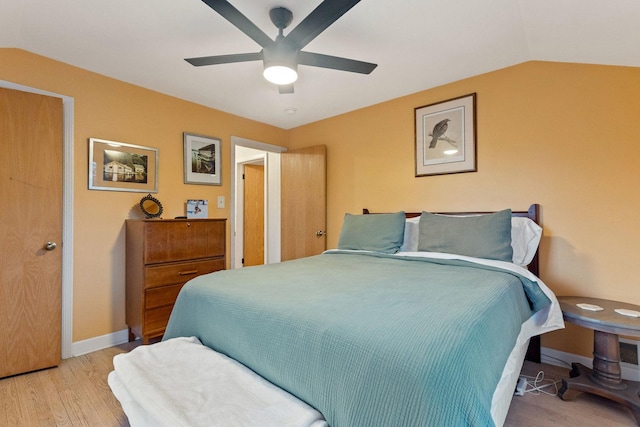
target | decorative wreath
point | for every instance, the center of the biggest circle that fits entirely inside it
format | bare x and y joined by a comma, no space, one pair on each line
150,213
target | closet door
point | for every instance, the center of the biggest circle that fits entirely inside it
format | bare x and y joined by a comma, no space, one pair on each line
31,231
253,215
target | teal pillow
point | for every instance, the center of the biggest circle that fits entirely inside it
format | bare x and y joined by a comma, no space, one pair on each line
375,232
481,236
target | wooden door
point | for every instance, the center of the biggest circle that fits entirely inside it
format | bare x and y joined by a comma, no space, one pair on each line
304,205
253,215
31,216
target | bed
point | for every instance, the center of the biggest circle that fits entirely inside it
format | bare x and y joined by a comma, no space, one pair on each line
414,320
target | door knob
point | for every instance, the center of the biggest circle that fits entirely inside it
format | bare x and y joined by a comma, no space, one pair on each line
49,246
320,233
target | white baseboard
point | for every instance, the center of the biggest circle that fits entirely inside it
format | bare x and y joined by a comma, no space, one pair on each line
79,348
560,358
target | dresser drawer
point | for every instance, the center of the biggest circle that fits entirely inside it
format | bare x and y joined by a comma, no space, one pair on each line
165,295
179,273
156,319
180,240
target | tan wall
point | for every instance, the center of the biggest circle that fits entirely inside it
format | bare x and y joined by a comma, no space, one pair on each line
562,135
110,109
566,136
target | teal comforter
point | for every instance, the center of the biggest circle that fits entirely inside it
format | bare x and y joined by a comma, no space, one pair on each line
367,340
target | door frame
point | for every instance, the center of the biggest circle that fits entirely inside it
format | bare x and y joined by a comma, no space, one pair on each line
67,211
271,155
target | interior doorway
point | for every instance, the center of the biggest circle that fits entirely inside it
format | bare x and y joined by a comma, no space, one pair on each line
302,231
243,152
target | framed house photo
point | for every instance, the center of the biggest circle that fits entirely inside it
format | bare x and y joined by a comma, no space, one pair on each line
202,160
446,137
117,166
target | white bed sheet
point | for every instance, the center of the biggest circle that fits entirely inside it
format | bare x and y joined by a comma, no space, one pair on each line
180,382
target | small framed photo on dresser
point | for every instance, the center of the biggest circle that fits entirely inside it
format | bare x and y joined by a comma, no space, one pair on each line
197,208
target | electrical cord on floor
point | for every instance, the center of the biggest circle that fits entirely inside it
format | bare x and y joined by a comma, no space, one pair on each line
537,385
563,362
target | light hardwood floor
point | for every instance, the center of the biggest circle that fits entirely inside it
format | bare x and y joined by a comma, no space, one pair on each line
76,394
586,410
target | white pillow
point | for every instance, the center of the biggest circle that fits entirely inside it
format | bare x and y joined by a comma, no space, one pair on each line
411,233
525,238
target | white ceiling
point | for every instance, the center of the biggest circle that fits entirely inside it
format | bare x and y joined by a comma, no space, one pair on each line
417,44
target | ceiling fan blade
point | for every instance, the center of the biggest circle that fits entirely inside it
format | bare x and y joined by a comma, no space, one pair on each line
224,59
335,63
284,89
317,21
243,23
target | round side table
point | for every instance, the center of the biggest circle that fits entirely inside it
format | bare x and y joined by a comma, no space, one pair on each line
605,378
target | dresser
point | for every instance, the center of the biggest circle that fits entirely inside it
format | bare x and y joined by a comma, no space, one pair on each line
162,255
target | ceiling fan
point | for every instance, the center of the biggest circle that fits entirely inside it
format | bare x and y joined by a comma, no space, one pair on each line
282,56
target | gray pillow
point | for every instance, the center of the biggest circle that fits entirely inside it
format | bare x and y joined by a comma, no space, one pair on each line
374,232
482,236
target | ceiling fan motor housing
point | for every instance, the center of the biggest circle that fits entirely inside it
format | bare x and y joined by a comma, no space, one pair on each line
281,53
280,58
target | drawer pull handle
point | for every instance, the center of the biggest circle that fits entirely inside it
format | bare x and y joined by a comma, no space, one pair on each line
187,273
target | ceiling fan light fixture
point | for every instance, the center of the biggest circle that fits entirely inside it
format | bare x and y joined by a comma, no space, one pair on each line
282,56
280,74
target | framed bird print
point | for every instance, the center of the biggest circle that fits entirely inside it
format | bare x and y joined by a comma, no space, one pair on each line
446,136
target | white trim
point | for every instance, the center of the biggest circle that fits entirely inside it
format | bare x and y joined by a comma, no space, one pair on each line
98,343
67,211
273,246
561,358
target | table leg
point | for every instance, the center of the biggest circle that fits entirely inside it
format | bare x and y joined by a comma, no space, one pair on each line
605,379
606,361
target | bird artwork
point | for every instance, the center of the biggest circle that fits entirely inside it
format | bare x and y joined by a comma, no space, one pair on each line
438,131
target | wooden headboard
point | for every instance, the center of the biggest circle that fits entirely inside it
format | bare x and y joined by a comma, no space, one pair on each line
533,353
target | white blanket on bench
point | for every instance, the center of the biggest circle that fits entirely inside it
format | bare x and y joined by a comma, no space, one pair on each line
180,382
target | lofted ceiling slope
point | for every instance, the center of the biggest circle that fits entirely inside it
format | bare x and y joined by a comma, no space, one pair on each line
417,44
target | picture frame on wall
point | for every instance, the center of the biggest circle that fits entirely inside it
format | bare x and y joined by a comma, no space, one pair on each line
202,159
445,135
118,166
